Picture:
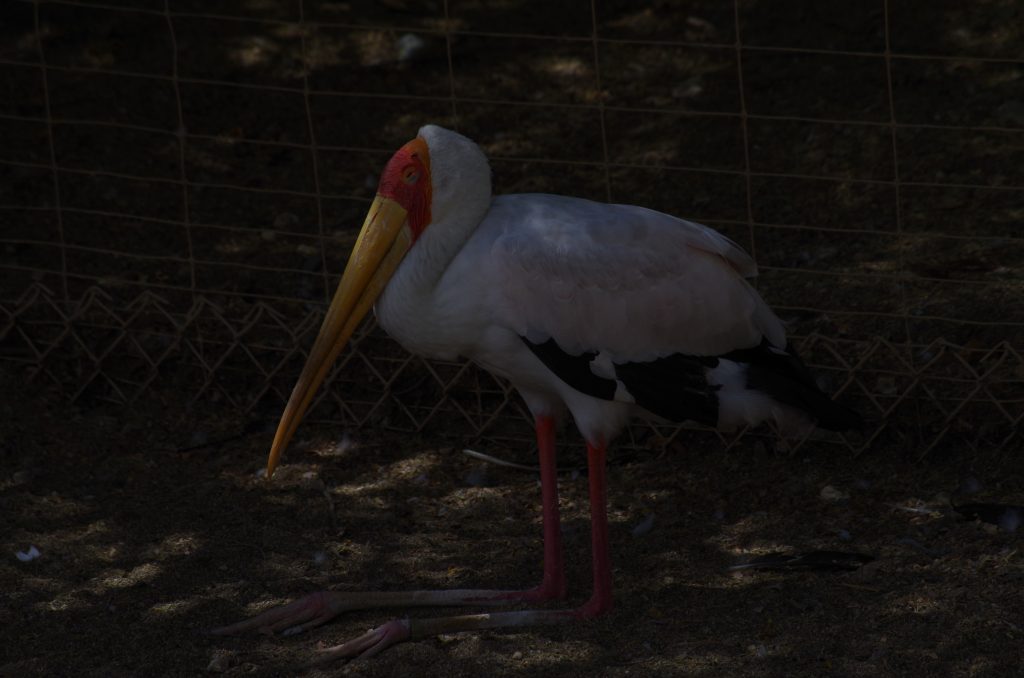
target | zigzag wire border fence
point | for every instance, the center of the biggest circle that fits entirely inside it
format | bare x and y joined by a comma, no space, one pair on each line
957,396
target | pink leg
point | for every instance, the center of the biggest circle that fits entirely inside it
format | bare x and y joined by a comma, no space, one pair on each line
601,600
552,585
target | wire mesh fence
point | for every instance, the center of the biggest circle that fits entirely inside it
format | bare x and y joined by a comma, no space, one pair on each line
182,180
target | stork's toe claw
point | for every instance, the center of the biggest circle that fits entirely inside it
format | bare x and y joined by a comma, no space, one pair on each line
370,643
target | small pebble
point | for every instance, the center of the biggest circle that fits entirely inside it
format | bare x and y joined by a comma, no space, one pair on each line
477,477
1010,520
408,46
644,526
517,655
829,493
344,445
220,662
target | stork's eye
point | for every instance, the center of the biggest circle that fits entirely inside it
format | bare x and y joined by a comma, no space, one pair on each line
410,175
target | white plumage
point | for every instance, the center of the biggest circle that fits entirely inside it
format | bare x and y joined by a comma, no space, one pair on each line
625,282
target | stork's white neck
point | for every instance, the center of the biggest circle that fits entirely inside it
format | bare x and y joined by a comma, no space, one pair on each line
410,309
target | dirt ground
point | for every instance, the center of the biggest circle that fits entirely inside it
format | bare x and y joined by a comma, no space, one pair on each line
153,523
145,544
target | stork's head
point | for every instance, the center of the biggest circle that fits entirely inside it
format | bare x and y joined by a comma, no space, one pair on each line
422,183
433,173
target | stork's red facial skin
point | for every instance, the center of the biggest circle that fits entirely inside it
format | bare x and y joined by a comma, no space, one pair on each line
406,180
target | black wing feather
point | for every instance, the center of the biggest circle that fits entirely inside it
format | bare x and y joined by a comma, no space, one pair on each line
675,387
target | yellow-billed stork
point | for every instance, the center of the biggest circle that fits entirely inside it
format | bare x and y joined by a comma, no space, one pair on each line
601,310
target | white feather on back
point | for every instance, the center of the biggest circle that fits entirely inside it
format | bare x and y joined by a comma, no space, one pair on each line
629,281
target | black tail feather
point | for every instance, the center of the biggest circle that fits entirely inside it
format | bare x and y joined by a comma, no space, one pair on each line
782,375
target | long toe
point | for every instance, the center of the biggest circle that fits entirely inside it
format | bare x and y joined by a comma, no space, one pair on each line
302,614
370,643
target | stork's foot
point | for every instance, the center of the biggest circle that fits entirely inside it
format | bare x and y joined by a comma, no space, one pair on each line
370,643
397,631
300,615
319,608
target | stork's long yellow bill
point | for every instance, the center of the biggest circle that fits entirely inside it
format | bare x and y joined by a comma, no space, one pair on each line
382,243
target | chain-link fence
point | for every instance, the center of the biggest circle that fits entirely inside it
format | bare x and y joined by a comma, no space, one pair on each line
181,181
